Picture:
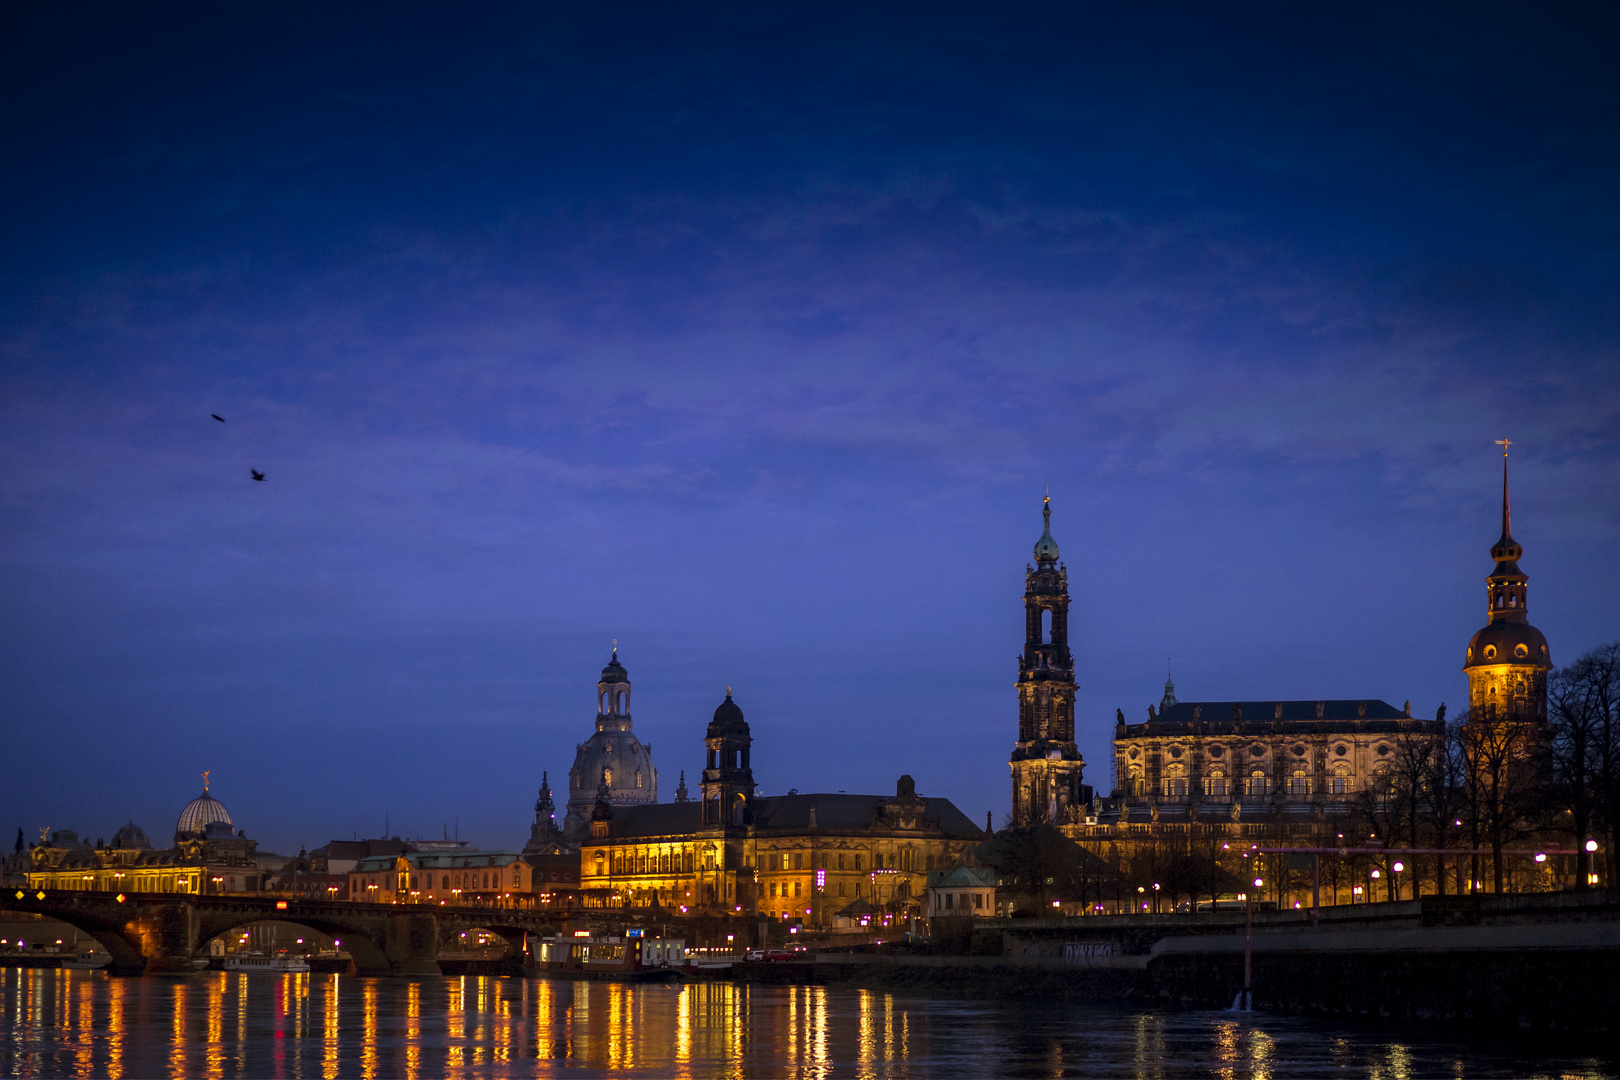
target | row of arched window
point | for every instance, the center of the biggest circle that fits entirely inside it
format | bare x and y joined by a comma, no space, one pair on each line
1257,784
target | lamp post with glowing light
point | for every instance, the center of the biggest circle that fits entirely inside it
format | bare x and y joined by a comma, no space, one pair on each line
1248,944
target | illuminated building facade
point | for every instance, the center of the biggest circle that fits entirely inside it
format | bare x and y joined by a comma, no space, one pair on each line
485,878
612,756
209,856
1254,761
795,857
1292,770
1047,768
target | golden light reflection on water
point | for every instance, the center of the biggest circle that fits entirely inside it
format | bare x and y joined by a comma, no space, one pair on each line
543,1011
86,1021
456,1023
1396,1064
115,1028
806,1039
866,1047
368,1025
215,1060
1261,1054
1227,1049
413,1030
683,1027
1149,1047
72,1023
177,1035
332,1029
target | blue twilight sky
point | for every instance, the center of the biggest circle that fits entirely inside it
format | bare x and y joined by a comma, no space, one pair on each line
751,336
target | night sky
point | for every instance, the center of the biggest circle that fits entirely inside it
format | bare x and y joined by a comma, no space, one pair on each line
752,337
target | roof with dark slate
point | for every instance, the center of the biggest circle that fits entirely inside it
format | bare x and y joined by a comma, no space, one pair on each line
791,813
786,813
657,819
1222,717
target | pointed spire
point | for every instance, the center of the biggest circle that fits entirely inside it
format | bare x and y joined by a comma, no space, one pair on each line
681,794
1046,548
1507,585
543,806
1169,698
1507,528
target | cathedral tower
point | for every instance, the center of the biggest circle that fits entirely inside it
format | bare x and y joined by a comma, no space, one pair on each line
1046,764
728,779
1507,661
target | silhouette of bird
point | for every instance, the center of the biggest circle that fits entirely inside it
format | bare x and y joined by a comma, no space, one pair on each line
257,475
218,417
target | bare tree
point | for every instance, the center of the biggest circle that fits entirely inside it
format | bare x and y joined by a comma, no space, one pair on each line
1447,786
1583,699
1506,771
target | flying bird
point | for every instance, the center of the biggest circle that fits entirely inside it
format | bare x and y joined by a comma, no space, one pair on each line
218,417
257,475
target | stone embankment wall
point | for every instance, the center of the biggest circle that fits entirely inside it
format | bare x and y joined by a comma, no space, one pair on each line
1548,961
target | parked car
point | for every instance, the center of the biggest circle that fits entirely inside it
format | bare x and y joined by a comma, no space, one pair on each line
754,955
779,954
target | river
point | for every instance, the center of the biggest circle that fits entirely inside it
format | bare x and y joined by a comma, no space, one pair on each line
213,1024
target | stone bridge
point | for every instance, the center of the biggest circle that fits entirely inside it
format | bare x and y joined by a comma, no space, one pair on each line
162,932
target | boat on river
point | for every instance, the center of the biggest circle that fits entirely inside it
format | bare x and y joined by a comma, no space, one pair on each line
254,963
86,961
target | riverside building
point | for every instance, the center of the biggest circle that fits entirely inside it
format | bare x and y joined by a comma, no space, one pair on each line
799,858
208,856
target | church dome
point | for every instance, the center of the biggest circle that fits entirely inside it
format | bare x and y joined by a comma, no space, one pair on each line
201,812
623,759
130,836
1508,643
728,719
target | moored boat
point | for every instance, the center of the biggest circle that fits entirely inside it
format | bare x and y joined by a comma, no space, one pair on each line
251,963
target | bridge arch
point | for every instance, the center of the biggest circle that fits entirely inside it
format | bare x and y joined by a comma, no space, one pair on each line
369,957
122,946
516,937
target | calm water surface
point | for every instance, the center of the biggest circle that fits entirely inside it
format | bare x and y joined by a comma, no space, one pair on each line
68,1023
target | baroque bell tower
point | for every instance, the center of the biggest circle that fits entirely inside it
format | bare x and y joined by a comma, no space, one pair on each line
1507,661
1046,765
728,778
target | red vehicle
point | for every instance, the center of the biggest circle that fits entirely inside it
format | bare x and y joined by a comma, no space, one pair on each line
778,954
